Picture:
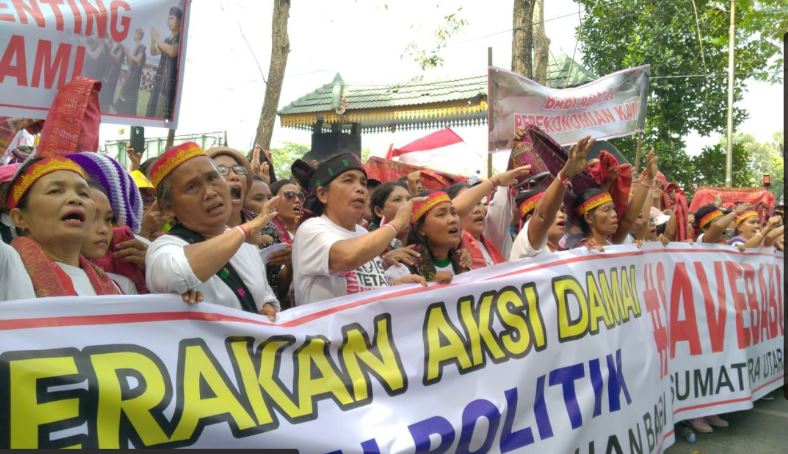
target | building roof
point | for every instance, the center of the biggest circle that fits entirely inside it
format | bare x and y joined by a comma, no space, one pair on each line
412,104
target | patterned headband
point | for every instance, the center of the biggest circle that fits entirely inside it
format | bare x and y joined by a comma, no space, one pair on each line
529,204
33,173
173,158
745,215
594,202
709,217
422,208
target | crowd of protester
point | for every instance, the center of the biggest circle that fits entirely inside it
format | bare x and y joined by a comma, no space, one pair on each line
194,222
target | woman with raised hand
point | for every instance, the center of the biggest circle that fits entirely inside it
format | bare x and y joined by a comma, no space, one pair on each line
596,215
200,252
385,201
237,172
282,229
50,205
543,212
333,255
749,233
712,222
436,233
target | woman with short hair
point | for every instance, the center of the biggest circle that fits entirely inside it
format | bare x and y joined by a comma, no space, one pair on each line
200,252
333,255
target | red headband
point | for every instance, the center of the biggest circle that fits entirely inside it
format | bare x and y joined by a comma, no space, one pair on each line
530,203
594,202
709,217
34,172
422,208
171,159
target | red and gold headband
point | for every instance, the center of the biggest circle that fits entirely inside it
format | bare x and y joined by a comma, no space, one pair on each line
709,217
171,159
422,208
529,204
745,215
34,172
594,202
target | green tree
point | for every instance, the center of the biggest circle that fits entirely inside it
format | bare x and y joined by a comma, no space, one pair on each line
709,165
283,158
665,34
766,158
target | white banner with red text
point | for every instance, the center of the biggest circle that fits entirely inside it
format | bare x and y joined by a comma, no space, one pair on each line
135,48
612,106
573,352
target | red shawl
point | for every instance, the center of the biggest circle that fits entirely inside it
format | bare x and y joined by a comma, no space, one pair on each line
50,280
619,190
470,243
111,264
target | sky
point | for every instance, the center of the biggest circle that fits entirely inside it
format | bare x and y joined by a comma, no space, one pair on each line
229,43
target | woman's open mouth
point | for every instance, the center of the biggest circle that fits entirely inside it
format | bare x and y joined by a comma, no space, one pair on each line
215,208
74,217
454,231
235,193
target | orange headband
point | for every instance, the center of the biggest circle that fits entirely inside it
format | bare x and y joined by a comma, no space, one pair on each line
530,203
745,215
709,217
35,172
594,202
171,159
422,208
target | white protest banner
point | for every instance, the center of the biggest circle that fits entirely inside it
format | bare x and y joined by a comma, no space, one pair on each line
136,49
612,106
572,352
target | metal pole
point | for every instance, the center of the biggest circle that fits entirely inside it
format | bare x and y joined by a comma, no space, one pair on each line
637,152
731,44
489,116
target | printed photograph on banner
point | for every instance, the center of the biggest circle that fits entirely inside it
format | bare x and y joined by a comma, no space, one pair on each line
134,48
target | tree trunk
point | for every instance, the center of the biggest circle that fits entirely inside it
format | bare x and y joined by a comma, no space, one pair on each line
280,47
522,37
541,44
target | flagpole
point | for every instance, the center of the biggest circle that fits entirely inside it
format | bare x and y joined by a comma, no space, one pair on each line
489,113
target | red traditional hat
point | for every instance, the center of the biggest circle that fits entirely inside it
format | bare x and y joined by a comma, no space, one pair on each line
34,172
422,208
72,124
171,159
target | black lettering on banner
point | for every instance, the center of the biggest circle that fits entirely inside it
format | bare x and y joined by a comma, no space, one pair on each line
125,414
361,357
29,411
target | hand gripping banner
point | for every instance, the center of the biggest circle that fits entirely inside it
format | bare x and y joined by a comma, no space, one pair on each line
135,48
574,352
612,106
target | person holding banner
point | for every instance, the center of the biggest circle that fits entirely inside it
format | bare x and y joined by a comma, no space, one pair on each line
50,205
200,252
162,94
436,233
712,222
332,254
543,212
749,233
596,215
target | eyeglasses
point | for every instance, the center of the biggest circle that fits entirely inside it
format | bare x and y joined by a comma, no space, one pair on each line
238,170
290,195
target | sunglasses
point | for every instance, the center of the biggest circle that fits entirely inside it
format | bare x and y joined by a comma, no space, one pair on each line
291,195
238,170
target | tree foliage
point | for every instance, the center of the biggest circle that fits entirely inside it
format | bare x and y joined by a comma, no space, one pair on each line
619,34
428,57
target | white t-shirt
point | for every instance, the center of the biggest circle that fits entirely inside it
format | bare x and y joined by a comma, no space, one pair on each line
522,247
485,254
168,271
14,281
125,284
312,279
79,279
